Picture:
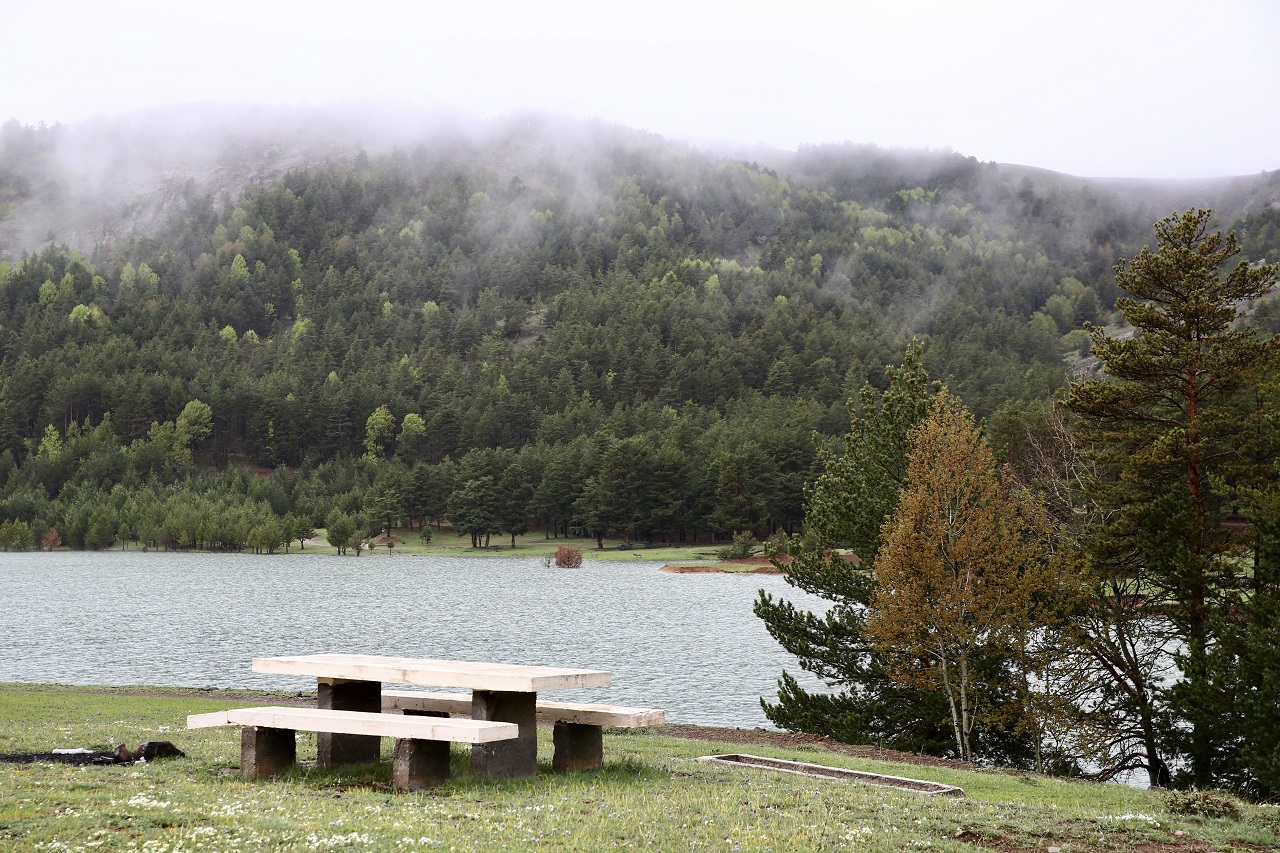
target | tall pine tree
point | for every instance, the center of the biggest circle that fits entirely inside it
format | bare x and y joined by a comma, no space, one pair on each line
1173,427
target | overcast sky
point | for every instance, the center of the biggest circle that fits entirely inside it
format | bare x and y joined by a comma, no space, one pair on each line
1173,88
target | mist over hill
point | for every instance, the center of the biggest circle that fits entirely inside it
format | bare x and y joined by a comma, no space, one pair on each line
100,182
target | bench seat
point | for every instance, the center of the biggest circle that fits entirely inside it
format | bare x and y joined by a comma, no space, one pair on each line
421,757
578,733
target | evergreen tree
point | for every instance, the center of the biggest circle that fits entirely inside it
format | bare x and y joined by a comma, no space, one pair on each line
340,532
476,508
1174,429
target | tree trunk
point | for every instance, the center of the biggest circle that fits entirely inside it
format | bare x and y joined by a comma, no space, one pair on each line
966,725
951,702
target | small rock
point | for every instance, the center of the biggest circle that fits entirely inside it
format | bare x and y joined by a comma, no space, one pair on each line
1178,833
123,754
153,749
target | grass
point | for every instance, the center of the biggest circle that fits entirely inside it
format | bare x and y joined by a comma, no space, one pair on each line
446,542
651,794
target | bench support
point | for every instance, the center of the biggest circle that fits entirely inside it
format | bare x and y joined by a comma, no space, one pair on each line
579,746
510,758
266,752
340,695
417,764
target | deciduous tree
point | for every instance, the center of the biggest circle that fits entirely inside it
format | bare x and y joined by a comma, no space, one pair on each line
378,430
961,576
845,510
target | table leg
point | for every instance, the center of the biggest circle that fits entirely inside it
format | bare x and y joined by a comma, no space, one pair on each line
578,747
506,758
265,751
417,764
341,695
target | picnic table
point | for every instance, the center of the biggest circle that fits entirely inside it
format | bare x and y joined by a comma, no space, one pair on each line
499,692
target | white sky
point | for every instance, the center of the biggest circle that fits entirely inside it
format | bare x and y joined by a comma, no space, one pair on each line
1175,88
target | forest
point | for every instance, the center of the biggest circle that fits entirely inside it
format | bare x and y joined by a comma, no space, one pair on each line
560,326
1029,459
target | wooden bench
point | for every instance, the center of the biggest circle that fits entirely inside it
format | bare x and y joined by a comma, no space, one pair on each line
579,727
420,760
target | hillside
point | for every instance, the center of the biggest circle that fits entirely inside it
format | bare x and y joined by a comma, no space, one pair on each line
541,302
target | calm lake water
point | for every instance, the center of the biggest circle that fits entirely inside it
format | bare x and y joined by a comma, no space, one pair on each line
686,643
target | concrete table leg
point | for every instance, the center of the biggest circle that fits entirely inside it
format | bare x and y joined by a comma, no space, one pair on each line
341,695
417,764
266,752
505,759
578,747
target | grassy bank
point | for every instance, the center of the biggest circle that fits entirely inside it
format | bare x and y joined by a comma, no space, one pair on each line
447,543
652,793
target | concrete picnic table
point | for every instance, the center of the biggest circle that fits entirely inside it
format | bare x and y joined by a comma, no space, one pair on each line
499,692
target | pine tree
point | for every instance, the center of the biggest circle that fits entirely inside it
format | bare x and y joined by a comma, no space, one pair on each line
1173,427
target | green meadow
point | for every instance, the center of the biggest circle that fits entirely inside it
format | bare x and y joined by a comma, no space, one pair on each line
652,793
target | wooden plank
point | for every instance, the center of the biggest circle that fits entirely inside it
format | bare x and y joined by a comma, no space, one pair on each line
614,716
470,675
360,723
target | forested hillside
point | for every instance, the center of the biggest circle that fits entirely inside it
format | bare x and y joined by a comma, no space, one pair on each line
571,325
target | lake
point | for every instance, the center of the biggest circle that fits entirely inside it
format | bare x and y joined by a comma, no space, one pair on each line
687,643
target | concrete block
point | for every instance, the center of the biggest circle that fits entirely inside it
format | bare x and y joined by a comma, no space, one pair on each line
578,747
339,695
265,751
509,758
417,764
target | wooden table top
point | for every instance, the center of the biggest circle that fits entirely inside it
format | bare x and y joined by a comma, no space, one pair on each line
472,675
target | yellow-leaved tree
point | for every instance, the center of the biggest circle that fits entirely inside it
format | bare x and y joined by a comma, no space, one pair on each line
963,578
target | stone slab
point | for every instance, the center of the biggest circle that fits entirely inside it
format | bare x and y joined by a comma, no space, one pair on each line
822,771
612,716
470,675
359,722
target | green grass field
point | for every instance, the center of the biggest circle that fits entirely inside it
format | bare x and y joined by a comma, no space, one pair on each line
651,794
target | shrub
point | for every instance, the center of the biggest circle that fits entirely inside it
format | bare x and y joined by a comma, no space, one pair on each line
568,557
424,536
742,546
777,544
1204,804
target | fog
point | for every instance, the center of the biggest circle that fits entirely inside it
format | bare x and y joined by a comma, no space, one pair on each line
1168,89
